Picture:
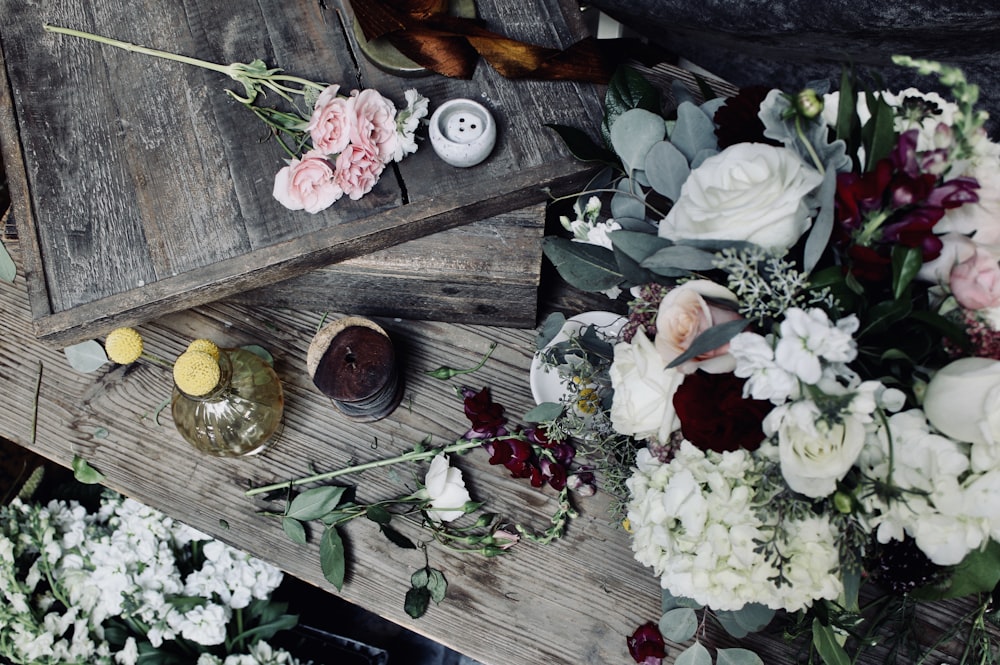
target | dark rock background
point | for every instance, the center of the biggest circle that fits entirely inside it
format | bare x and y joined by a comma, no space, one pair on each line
787,43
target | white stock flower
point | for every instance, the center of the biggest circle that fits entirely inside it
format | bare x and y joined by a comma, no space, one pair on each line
755,362
445,488
749,191
644,389
809,337
205,624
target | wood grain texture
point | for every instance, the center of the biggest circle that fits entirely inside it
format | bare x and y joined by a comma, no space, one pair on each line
151,191
571,602
484,272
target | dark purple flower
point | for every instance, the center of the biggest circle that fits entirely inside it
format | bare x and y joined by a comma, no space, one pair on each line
487,417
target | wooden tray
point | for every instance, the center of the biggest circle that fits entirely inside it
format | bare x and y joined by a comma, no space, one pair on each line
140,188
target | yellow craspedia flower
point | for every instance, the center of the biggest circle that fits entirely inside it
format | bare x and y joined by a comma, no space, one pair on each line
196,372
123,345
206,345
627,525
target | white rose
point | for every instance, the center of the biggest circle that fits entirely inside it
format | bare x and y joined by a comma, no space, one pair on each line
445,489
643,404
749,191
813,454
963,400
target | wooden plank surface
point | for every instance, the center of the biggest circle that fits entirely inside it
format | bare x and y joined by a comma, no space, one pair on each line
484,272
141,188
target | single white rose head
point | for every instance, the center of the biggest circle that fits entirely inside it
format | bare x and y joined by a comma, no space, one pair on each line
445,489
963,400
643,402
749,191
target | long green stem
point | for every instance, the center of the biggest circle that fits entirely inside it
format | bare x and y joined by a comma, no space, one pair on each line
808,145
412,456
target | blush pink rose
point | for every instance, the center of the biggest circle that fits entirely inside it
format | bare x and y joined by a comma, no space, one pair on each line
375,123
332,121
358,169
976,281
687,311
307,183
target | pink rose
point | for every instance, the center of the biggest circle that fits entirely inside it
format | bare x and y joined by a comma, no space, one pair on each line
686,312
976,281
307,183
332,121
375,122
358,169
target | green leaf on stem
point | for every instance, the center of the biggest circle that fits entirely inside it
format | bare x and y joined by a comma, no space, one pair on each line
294,529
750,618
906,263
315,503
397,538
825,642
633,133
581,146
545,412
587,267
696,654
711,339
417,600
332,557
636,245
736,656
627,89
378,514
437,585
679,625
979,572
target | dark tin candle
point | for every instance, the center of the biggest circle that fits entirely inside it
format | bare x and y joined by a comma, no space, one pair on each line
353,362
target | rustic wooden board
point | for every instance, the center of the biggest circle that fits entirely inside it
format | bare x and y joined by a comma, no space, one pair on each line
140,188
484,272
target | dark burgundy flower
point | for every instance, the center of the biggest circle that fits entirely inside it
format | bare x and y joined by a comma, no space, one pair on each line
714,414
737,120
487,417
504,451
954,193
553,473
646,643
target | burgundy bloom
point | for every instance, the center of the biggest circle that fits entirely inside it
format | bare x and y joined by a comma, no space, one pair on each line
714,414
553,473
646,643
505,451
487,417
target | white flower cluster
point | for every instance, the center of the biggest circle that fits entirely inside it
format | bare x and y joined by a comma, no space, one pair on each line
586,227
947,491
695,521
122,562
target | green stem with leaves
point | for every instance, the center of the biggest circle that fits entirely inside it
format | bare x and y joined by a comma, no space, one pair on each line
414,455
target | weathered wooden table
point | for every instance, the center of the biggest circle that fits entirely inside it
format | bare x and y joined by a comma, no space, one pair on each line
141,188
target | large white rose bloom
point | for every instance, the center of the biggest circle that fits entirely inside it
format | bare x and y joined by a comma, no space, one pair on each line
644,391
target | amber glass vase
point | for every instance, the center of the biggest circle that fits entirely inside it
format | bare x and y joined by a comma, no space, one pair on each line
241,415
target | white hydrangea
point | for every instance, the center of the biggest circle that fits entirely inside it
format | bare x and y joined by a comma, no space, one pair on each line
945,505
696,523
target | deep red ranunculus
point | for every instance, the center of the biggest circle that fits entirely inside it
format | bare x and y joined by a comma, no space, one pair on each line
714,414
646,643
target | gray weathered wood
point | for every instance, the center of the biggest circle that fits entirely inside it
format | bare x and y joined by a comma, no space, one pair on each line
141,188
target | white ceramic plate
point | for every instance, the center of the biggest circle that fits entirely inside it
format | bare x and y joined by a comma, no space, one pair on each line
546,386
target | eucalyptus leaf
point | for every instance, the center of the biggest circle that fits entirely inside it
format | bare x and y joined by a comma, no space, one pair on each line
628,201
86,356
696,654
667,168
633,134
679,257
636,245
679,625
546,412
711,339
627,90
261,353
979,572
669,601
550,327
681,93
701,156
419,578
825,642
84,473
736,656
332,558
417,601
587,267
643,226
712,105
751,618
294,529
693,132
314,503
8,271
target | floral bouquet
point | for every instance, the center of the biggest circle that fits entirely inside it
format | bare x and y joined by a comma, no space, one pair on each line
805,396
340,144
121,583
